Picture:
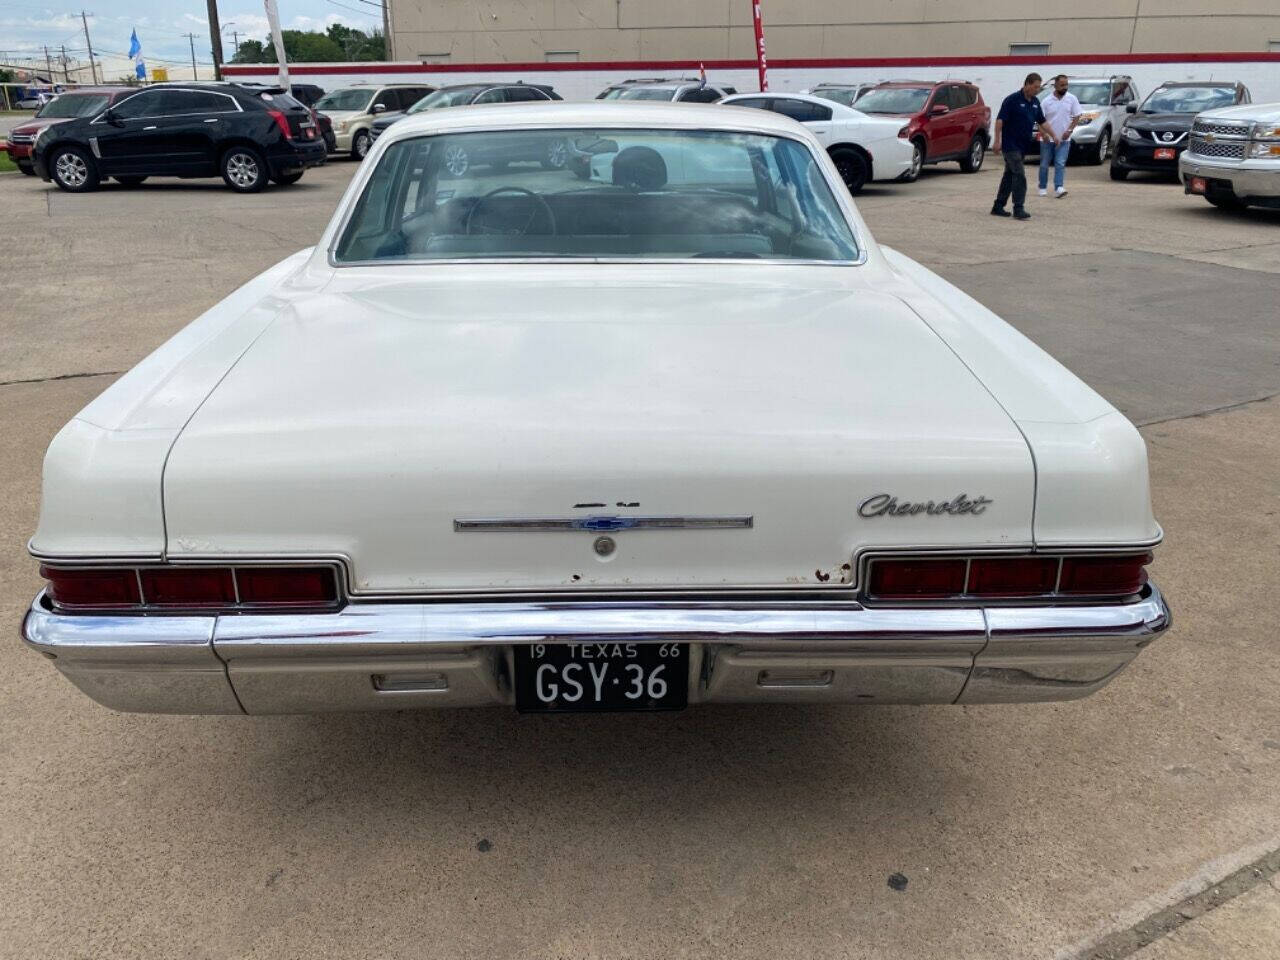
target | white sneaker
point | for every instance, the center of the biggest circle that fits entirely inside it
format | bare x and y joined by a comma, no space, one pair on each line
1044,193
1060,192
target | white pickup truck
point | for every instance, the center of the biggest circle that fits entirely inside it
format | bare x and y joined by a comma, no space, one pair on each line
1233,159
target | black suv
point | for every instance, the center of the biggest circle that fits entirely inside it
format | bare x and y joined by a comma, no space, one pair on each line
247,134
1156,133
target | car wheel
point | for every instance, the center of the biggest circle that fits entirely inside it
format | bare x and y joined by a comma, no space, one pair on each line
244,170
28,169
1103,149
360,144
852,168
456,160
73,171
288,179
974,156
557,155
1225,201
1119,173
128,181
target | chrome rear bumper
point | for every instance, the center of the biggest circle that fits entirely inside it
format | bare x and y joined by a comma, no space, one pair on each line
399,655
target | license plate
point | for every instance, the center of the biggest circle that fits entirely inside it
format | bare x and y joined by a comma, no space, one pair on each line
603,675
1165,153
1196,185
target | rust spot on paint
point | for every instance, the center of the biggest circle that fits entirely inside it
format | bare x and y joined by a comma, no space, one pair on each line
576,577
822,577
627,503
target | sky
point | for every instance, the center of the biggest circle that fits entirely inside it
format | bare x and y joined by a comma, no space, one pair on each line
161,24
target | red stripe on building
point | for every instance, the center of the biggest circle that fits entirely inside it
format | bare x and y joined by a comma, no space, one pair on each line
659,66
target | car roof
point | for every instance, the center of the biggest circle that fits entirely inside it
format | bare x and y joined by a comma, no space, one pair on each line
1201,83
781,95
593,113
105,88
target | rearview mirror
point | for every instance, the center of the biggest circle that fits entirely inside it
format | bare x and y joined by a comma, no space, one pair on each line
938,109
1131,108
379,107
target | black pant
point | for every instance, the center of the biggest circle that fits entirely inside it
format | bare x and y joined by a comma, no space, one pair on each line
1014,180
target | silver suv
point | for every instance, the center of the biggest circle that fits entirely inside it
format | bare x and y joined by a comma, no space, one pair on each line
680,90
1103,100
1233,160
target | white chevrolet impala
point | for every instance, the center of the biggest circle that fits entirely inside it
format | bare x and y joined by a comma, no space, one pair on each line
509,437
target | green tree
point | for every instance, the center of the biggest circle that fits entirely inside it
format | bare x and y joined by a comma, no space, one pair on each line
250,51
356,44
6,76
303,47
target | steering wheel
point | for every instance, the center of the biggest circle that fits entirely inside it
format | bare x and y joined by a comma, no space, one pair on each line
538,205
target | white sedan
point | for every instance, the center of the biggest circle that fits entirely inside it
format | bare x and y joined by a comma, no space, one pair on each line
509,437
864,148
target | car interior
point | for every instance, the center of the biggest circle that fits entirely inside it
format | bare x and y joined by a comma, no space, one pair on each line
673,196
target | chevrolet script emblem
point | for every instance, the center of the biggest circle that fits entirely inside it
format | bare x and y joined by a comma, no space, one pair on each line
887,505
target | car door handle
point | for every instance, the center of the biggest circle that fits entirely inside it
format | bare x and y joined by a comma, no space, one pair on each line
212,120
152,127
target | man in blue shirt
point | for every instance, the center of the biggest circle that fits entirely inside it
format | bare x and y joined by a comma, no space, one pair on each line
1019,116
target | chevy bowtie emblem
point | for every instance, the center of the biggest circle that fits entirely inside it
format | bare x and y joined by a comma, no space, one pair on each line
607,523
1209,138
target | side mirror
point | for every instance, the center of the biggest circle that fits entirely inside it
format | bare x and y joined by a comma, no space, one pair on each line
379,107
112,118
938,109
1131,108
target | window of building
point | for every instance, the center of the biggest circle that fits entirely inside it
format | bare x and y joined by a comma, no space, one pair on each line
1273,46
1028,49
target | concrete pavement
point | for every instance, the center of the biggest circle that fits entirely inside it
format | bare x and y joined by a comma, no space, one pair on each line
1024,831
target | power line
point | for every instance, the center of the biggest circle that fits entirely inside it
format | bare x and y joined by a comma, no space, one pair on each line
354,10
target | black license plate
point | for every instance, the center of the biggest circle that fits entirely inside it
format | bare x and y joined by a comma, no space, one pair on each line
603,675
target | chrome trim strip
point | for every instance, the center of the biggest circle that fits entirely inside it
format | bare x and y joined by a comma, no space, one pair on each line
191,664
599,524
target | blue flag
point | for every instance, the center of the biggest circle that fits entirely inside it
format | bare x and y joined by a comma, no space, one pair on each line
141,69
135,47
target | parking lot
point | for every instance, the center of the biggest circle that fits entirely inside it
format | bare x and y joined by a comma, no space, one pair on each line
1056,830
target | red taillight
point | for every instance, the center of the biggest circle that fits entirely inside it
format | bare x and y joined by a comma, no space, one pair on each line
188,587
303,586
91,589
281,121
917,579
1012,576
1110,576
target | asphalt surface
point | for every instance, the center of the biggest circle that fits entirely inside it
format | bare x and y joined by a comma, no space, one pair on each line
948,832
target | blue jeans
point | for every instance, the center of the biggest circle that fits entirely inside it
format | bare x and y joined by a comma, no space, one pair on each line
1058,157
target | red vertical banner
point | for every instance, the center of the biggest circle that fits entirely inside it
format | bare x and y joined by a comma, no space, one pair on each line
762,62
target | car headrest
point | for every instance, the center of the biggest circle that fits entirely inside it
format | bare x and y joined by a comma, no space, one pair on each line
639,168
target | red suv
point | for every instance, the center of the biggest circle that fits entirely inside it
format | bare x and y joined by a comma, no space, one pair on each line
80,102
946,119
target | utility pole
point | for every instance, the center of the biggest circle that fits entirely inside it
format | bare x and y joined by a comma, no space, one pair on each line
93,67
215,34
386,28
66,73
192,38
235,44
48,62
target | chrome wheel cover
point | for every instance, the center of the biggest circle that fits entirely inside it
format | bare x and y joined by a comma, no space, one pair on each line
1104,145
456,161
558,154
362,144
242,169
72,170
976,153
917,160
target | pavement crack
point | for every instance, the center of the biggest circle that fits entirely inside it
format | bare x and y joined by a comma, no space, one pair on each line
62,376
1125,943
1204,413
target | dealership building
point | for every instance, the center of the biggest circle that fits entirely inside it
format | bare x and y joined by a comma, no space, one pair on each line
487,31
581,46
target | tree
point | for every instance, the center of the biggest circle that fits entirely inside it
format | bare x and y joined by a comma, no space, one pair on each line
250,51
356,44
303,47
6,76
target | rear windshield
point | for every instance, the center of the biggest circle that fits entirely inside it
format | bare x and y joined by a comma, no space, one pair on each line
1189,99
894,100
70,105
843,95
349,99
597,194
458,97
646,93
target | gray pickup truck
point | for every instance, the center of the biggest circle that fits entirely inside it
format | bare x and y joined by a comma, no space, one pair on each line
1233,159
